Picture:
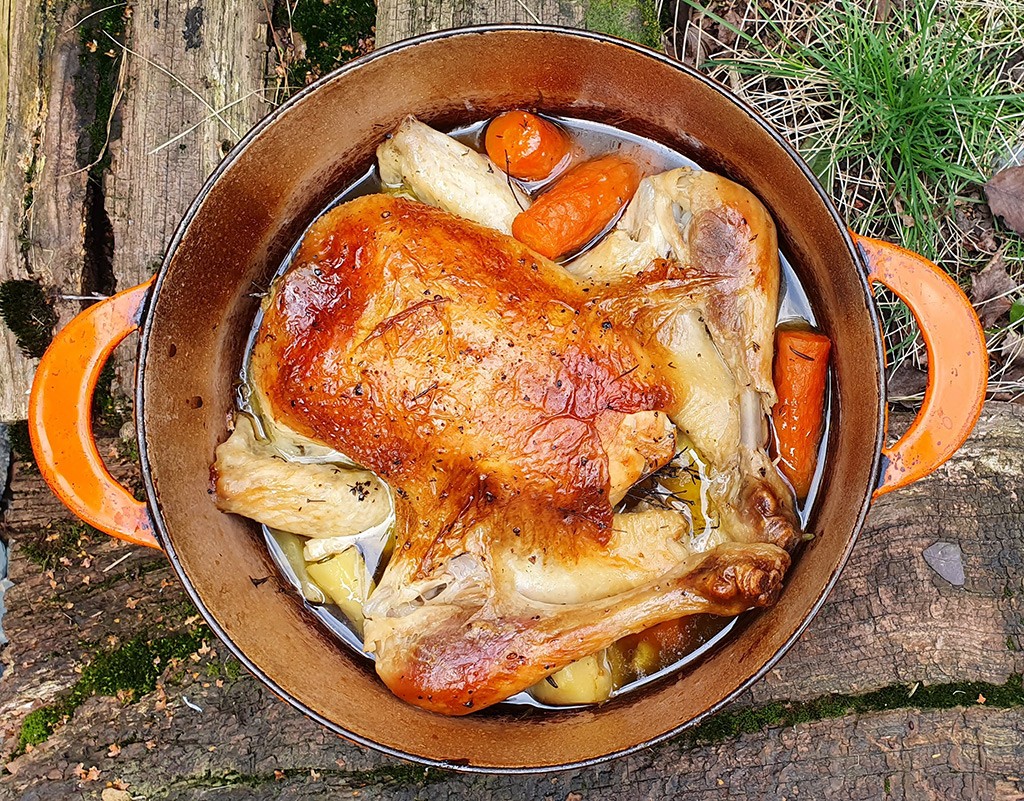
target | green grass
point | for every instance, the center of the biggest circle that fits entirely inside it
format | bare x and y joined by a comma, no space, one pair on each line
902,120
922,99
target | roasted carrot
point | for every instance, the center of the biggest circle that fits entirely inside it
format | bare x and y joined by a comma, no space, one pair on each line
524,145
800,374
578,206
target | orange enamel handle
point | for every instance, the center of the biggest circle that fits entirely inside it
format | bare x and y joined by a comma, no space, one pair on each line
957,361
60,418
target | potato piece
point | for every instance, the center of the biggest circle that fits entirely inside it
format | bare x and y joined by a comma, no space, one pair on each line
343,577
586,681
292,546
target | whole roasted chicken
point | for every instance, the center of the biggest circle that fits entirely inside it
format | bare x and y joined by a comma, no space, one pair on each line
504,405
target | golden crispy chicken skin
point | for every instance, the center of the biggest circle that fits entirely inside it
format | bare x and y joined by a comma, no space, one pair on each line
454,363
507,404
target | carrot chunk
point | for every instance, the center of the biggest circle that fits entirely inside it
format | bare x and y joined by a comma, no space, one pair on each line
800,374
524,145
578,206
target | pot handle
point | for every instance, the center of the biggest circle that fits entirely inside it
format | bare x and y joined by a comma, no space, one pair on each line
60,418
957,361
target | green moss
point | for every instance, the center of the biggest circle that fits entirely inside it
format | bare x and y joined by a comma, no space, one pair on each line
1011,646
332,31
29,314
63,539
635,20
393,775
129,671
778,714
400,775
21,444
886,786
232,669
38,725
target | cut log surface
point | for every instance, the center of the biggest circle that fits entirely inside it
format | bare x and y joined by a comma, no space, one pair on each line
891,622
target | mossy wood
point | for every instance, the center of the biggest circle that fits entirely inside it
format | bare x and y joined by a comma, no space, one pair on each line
902,677
636,20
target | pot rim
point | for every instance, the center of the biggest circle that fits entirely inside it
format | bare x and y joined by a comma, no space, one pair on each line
163,536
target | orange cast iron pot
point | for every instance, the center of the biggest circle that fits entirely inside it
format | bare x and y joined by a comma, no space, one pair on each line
196,312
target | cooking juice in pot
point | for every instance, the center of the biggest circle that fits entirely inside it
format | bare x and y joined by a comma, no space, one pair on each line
681,486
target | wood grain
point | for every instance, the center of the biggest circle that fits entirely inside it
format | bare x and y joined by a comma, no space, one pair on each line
42,190
187,59
400,19
630,19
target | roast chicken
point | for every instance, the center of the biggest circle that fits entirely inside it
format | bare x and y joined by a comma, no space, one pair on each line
497,406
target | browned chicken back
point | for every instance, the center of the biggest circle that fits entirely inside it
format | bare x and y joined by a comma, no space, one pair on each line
507,404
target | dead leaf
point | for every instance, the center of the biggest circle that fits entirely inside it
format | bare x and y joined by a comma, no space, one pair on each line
131,603
278,775
84,775
906,381
1012,348
115,794
981,698
1005,193
989,292
113,750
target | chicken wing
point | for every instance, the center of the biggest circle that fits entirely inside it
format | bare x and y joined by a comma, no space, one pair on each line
438,170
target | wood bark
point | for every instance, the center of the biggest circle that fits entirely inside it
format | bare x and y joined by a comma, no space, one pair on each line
42,189
190,63
891,620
